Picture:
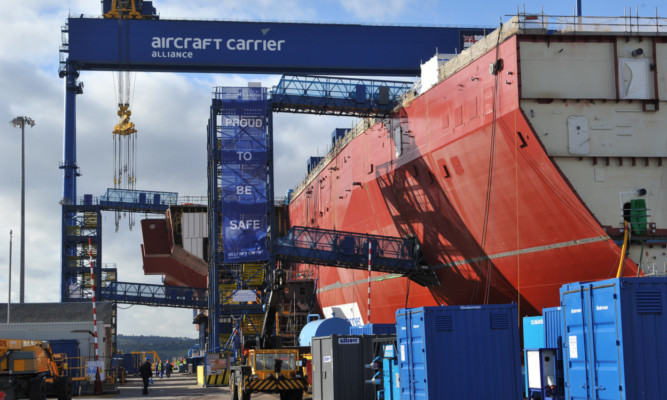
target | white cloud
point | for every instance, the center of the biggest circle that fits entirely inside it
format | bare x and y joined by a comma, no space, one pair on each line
375,10
264,10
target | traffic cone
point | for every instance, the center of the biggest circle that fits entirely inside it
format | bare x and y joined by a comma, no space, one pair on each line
98,383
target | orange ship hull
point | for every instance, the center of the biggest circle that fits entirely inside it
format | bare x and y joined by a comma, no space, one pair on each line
461,168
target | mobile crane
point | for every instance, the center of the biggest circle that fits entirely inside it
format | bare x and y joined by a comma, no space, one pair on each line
30,369
269,371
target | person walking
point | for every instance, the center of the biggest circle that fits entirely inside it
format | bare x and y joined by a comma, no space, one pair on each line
169,367
161,369
146,372
236,345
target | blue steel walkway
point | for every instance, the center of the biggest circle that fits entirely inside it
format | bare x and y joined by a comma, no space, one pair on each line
337,96
137,200
350,250
155,295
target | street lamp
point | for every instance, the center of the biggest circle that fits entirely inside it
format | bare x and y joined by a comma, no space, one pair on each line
22,122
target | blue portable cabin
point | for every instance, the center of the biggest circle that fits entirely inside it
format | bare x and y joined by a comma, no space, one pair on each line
613,342
128,364
459,352
543,360
337,134
373,329
553,338
312,163
553,328
391,388
533,338
70,347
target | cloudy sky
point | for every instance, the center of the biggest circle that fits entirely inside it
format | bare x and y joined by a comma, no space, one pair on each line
170,112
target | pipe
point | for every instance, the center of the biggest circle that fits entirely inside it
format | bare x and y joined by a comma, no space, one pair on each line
626,238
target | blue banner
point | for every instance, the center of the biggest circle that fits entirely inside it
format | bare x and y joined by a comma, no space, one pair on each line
244,234
258,47
243,132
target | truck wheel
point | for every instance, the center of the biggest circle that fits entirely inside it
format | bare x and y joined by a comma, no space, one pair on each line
232,388
37,389
297,395
64,389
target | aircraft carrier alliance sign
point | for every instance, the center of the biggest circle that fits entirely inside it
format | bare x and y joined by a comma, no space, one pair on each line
257,47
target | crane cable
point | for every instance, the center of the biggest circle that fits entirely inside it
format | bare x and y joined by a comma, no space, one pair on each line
489,184
124,139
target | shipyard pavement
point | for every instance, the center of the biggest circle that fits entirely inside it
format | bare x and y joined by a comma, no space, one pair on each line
178,386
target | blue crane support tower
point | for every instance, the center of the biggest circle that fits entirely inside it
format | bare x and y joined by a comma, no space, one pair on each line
137,40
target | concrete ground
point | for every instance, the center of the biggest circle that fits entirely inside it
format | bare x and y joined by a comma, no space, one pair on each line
178,386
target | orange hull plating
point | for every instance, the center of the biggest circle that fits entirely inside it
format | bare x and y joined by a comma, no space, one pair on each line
475,185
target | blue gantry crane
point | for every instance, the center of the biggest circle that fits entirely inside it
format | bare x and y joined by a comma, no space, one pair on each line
132,37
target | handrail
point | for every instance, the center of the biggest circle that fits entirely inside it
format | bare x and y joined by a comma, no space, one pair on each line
567,24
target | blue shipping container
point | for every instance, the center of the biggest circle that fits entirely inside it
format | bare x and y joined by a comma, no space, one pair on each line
614,346
459,352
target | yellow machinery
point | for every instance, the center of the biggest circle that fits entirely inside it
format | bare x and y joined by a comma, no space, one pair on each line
126,9
29,369
152,355
269,371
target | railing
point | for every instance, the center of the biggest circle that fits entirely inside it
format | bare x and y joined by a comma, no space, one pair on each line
357,130
361,90
351,250
157,295
302,274
629,23
347,243
139,197
651,269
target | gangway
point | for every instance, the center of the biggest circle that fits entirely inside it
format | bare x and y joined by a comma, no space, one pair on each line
350,250
337,96
155,295
137,200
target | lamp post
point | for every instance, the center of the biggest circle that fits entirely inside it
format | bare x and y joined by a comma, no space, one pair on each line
22,122
9,290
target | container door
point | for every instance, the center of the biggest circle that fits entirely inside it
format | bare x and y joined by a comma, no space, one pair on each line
328,387
574,343
405,372
411,356
316,348
605,350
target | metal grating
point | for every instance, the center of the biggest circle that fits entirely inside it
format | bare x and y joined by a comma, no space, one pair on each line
500,321
649,301
444,323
